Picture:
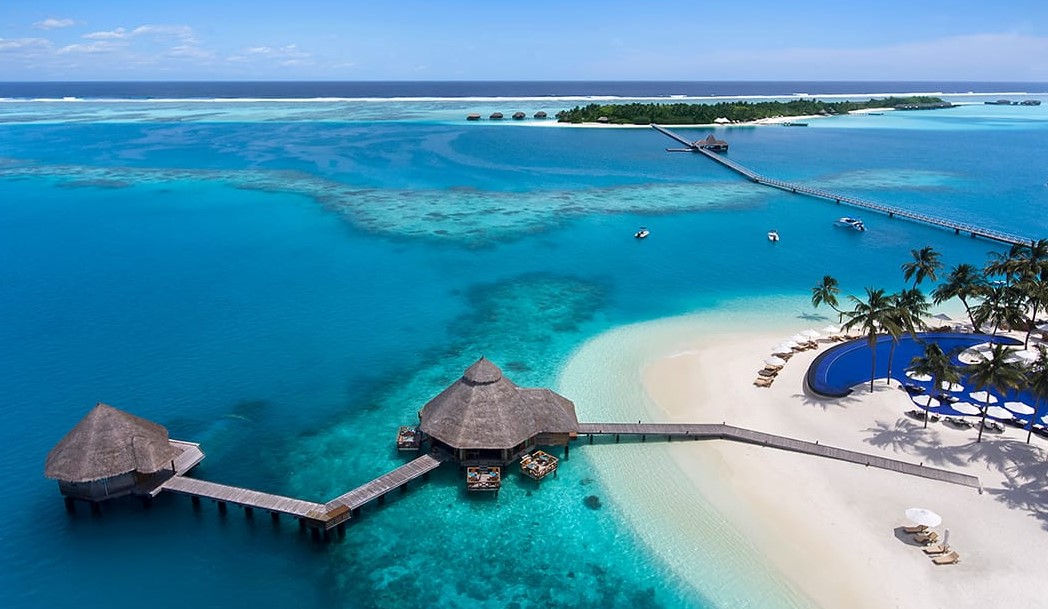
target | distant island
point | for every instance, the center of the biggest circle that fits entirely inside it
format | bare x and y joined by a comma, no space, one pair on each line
733,112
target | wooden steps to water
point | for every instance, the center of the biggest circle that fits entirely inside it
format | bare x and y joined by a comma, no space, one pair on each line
718,431
890,211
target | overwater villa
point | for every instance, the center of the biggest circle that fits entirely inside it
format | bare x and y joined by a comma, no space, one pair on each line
485,419
711,143
110,454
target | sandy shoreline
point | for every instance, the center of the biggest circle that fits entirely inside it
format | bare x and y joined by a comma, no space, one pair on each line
825,531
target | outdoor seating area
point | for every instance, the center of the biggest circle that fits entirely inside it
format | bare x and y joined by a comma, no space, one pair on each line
408,438
483,478
781,353
938,550
538,465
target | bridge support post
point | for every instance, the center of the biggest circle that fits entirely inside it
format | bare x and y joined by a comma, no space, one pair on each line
669,438
274,517
249,512
222,508
567,453
301,525
314,532
591,438
70,504
195,501
341,529
403,488
643,438
96,510
381,499
616,438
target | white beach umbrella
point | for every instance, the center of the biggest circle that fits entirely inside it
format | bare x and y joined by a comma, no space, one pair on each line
799,338
1022,356
950,386
983,397
942,316
774,361
921,378
811,334
832,330
1019,408
784,348
966,408
923,516
996,412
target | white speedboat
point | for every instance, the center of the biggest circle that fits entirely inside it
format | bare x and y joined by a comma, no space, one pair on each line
852,223
773,235
642,233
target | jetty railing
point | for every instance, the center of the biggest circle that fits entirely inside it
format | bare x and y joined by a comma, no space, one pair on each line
889,210
720,431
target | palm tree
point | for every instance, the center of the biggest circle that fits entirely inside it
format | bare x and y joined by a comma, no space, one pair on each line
964,282
993,372
1037,381
925,264
937,365
826,292
1003,306
910,307
871,317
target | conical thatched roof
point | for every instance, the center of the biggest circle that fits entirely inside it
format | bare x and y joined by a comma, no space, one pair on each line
484,409
109,442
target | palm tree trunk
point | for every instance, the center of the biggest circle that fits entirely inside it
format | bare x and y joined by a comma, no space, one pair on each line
982,423
1033,321
1036,413
873,365
968,311
891,358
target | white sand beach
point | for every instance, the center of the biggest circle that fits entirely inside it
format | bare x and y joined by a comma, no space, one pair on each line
822,533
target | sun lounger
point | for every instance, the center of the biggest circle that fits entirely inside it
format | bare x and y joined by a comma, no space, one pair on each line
926,538
763,381
917,529
935,550
947,559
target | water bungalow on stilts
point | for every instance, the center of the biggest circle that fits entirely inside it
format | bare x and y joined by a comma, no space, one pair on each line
485,421
111,454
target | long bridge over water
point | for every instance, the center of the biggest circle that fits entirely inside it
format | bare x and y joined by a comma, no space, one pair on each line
890,211
323,518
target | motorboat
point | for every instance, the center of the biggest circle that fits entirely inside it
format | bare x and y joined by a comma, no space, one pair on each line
852,223
773,235
642,233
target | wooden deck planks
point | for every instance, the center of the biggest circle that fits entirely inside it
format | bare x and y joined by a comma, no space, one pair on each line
749,436
245,497
386,483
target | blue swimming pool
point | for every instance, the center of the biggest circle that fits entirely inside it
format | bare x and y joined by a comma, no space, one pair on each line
840,368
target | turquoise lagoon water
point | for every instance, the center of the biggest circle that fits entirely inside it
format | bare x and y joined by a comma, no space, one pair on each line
287,292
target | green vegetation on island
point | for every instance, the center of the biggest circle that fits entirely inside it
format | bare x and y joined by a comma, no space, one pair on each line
734,111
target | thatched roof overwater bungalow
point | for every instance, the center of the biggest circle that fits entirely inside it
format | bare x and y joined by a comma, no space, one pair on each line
519,116
712,143
473,117
541,114
496,116
484,418
111,453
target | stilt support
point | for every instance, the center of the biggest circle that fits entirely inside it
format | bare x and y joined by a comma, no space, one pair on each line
222,507
70,505
95,508
195,501
275,517
249,512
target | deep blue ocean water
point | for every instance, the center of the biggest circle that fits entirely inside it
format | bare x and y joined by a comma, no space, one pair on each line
286,283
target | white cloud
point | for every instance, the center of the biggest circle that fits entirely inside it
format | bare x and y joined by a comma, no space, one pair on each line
23,44
182,32
101,46
116,34
190,52
51,23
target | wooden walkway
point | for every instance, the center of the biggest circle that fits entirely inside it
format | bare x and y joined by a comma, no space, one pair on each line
717,431
890,211
318,515
246,498
379,487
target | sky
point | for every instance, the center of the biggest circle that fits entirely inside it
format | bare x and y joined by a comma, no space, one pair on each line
691,40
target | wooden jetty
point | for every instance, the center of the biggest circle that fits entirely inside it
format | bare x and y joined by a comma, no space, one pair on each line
718,431
890,211
345,506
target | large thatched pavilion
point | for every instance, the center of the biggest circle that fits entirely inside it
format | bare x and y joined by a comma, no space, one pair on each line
111,453
484,418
